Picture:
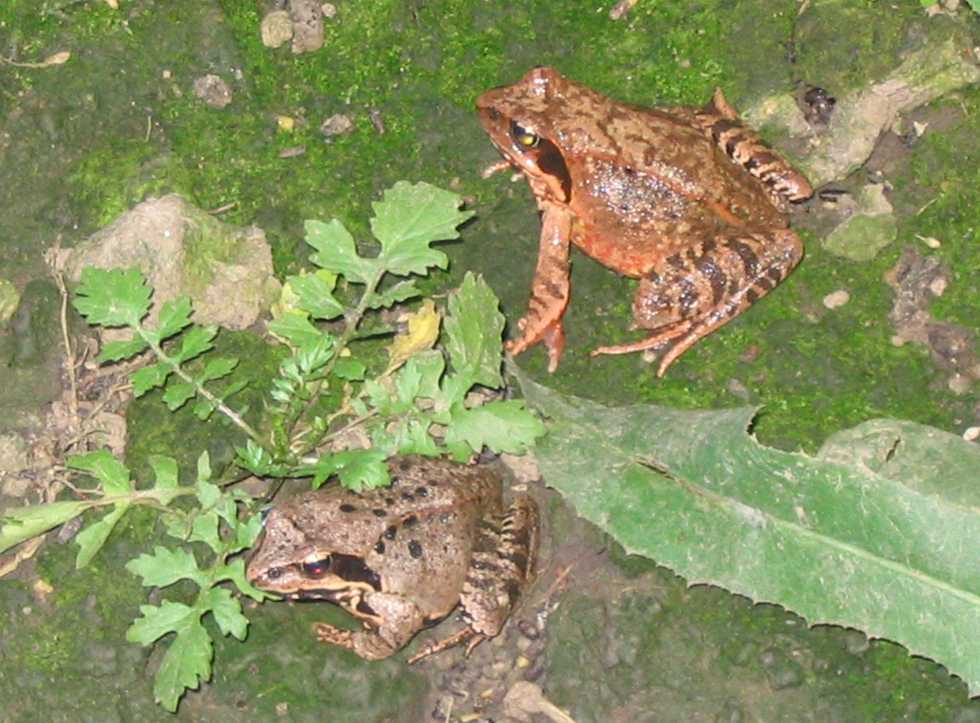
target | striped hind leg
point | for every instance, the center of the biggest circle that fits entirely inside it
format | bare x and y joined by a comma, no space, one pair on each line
693,293
721,123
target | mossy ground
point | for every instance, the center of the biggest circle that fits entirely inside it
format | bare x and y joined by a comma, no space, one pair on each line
82,142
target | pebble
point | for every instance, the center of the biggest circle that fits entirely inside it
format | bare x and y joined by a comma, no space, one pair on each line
214,91
336,125
836,299
276,29
971,434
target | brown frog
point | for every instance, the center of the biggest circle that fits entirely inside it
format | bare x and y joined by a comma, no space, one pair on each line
687,200
400,558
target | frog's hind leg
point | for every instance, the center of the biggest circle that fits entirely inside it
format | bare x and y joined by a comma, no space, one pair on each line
693,293
720,122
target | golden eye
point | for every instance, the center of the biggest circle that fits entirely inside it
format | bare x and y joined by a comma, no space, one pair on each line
523,136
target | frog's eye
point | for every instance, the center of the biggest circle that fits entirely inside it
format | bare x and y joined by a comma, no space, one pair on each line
316,569
523,136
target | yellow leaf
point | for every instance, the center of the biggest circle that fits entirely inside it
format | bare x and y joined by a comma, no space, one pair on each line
423,330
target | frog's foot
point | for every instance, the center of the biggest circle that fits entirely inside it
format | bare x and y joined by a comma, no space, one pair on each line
453,640
549,332
692,294
367,644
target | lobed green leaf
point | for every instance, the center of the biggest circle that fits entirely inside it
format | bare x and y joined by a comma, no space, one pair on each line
92,538
410,217
108,470
114,297
337,252
474,328
503,426
165,567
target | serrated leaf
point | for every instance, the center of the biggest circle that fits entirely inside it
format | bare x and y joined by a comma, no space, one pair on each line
185,664
503,426
149,377
205,529
410,217
157,621
117,297
19,524
92,538
397,293
116,350
421,334
108,470
165,567
295,328
350,369
474,328
837,543
165,471
227,612
357,469
235,572
196,341
337,252
202,409
175,315
177,393
217,368
412,437
208,494
204,467
314,295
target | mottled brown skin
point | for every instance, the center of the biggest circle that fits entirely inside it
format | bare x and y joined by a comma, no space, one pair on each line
689,201
402,557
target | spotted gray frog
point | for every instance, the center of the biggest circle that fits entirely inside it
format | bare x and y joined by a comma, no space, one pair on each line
402,557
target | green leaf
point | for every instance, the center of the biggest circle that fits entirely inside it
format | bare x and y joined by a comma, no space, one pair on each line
503,426
116,350
165,567
19,524
295,328
165,471
402,291
117,297
350,369
108,470
204,467
205,529
474,328
357,469
196,341
829,537
217,368
408,219
177,393
314,295
158,621
185,664
175,315
227,612
149,377
337,252
92,538
235,570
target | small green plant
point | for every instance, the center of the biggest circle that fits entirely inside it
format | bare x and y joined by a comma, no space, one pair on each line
418,400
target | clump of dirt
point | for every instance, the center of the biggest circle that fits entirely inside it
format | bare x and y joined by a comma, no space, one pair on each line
917,280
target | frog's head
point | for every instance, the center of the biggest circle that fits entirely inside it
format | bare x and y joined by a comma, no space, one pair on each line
298,563
523,121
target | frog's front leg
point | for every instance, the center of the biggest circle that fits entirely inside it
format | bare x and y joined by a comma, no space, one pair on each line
692,293
550,288
397,619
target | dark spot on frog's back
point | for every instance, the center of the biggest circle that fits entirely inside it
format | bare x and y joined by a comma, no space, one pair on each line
414,549
378,512
422,491
411,520
347,507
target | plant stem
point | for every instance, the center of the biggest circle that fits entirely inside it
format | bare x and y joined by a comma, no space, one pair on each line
215,401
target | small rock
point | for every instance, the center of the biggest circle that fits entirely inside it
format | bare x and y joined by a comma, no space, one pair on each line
336,125
737,389
836,299
307,17
971,434
277,29
959,384
937,286
856,642
212,90
329,10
